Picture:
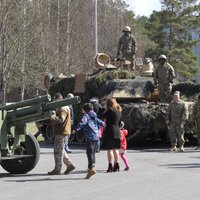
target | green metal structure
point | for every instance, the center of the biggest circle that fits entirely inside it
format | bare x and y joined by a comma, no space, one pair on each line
19,151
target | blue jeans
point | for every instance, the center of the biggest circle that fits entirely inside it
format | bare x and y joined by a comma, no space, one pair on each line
90,151
98,145
66,143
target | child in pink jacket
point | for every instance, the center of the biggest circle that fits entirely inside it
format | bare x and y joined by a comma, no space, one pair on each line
122,151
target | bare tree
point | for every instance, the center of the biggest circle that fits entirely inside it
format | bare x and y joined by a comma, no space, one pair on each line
9,39
53,36
22,69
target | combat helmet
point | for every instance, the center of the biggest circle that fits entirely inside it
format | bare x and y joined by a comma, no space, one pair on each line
127,29
70,95
162,57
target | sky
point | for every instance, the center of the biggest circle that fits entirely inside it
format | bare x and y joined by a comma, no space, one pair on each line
144,7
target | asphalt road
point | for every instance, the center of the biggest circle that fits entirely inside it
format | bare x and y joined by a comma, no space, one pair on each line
155,174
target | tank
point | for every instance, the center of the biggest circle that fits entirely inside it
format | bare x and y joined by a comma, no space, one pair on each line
134,89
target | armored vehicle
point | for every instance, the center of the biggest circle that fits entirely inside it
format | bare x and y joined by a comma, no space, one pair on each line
134,89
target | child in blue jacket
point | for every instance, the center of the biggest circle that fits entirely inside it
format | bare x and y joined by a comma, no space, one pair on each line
90,124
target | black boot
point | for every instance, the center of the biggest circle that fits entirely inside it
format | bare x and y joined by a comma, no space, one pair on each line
116,167
110,169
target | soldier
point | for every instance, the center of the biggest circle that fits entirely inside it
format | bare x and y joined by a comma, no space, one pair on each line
127,45
176,116
163,77
196,115
62,125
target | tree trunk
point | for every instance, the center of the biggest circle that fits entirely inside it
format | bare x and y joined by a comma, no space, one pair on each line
2,90
48,33
58,32
42,31
67,35
24,53
3,55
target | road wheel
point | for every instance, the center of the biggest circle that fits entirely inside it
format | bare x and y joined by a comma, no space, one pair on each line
71,138
50,134
25,157
80,136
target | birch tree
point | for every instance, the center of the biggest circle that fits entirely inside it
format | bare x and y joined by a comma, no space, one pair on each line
9,40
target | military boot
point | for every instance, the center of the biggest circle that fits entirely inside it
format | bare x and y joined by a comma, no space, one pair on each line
182,148
55,172
173,148
69,169
90,173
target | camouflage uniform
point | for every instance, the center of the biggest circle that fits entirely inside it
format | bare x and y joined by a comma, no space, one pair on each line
196,114
163,76
62,127
176,116
59,153
127,47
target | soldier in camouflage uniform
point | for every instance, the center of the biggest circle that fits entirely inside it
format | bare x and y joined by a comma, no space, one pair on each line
62,127
127,45
176,116
163,77
196,116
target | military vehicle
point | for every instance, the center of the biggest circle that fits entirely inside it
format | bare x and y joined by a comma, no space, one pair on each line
19,150
134,89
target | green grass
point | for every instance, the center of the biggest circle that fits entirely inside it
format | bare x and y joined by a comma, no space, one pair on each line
31,128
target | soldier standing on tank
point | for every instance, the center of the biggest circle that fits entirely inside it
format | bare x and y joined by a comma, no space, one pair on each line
196,115
127,45
163,77
176,116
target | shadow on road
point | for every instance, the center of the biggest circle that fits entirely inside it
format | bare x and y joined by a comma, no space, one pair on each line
48,177
183,165
161,150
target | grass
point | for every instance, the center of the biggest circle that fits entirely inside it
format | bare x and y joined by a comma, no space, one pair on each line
32,129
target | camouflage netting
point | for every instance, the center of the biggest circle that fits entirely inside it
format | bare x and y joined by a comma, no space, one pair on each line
147,122
106,82
144,121
97,79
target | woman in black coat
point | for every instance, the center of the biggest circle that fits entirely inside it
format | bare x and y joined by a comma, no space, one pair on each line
111,135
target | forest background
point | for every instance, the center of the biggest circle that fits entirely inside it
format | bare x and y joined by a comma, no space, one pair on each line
56,36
